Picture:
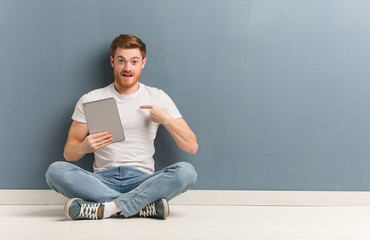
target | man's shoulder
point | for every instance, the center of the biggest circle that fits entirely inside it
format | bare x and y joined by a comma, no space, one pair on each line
153,91
97,94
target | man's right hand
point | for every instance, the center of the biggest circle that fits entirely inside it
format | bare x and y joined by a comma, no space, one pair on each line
79,143
96,141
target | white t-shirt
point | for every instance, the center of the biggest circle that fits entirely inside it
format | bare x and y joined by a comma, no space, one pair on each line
137,149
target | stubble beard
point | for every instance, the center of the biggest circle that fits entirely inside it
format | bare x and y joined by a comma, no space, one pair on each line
124,84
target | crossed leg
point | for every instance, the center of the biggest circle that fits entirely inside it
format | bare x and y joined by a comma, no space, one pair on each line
75,182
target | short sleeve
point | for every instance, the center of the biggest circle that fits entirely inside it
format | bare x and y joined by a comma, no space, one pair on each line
169,106
78,114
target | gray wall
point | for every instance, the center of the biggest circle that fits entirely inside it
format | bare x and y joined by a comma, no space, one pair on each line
277,92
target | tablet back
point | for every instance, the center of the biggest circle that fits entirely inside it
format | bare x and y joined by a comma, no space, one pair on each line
102,115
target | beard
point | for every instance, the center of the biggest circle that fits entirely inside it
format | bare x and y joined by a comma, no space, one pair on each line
126,83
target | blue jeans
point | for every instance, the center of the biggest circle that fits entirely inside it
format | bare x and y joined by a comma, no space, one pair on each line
128,187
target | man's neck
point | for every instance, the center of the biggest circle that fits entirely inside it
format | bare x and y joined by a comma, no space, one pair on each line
126,91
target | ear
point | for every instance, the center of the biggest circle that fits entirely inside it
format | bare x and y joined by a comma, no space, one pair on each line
144,61
112,61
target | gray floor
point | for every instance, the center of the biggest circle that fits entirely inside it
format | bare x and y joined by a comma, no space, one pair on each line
192,222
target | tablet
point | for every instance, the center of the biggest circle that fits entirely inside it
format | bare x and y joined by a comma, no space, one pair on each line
102,115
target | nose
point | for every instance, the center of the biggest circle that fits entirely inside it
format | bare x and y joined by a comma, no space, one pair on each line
126,66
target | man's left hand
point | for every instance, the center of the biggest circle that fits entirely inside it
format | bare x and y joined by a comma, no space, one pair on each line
157,114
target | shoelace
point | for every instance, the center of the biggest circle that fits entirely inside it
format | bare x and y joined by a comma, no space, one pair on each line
148,210
89,210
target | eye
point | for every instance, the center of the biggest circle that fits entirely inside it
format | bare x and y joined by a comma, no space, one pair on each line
121,61
134,62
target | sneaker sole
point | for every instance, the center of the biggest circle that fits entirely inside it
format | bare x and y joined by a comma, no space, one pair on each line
68,204
166,208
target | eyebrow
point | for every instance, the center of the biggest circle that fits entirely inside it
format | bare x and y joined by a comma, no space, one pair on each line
119,56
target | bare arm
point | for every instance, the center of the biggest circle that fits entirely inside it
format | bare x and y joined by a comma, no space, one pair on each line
182,134
78,144
178,128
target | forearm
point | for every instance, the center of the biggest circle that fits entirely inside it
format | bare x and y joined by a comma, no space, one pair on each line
183,136
178,128
73,151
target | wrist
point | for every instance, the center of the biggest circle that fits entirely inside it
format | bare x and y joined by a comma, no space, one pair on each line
168,121
82,148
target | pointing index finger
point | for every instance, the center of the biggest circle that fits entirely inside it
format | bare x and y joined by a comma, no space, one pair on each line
146,107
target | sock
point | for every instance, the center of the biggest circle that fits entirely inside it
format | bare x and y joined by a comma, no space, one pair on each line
110,208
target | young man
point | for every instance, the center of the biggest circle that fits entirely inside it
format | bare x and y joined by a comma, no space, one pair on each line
124,180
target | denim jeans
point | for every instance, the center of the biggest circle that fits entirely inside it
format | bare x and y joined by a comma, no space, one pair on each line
128,187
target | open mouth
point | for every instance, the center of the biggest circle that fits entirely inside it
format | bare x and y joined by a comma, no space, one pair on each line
127,75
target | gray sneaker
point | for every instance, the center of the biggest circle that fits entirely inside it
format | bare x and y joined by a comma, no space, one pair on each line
157,209
77,208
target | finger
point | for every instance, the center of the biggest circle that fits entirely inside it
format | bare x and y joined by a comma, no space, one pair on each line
103,138
94,138
146,106
103,143
99,134
95,148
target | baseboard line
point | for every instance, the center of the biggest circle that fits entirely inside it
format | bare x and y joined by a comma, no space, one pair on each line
213,197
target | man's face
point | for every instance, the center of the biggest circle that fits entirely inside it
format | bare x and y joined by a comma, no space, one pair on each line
127,67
